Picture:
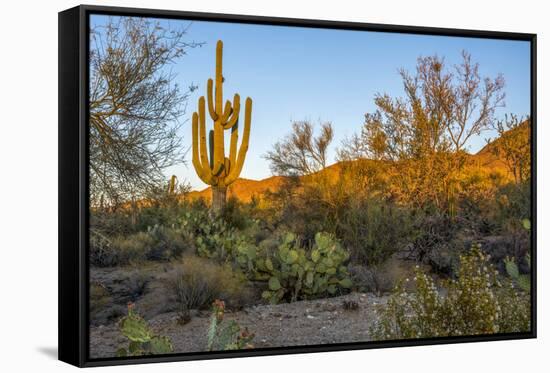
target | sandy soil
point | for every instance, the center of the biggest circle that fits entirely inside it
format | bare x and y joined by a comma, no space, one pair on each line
300,323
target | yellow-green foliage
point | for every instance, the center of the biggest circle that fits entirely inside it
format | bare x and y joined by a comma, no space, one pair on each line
226,335
477,302
143,341
215,168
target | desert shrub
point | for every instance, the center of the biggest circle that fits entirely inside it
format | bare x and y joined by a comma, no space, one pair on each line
111,223
437,241
513,205
236,214
295,273
476,302
160,213
101,253
226,335
303,207
99,298
370,279
136,284
142,339
380,278
213,238
515,309
196,282
373,230
132,248
167,243
157,243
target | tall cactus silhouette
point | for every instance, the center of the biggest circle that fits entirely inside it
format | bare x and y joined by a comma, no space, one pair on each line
210,162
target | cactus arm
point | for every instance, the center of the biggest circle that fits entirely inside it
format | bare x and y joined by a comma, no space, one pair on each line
203,148
226,112
196,160
226,167
204,174
233,145
218,151
211,147
232,117
237,168
210,98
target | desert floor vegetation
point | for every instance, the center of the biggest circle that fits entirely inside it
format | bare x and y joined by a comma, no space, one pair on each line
406,234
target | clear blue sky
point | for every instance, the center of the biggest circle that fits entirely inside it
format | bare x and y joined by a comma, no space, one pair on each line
296,73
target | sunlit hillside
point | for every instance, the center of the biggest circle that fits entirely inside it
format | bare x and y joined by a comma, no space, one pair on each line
244,190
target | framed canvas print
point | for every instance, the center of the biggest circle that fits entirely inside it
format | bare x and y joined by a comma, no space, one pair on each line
234,186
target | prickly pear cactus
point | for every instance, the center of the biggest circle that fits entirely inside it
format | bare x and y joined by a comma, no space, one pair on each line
142,339
523,280
295,273
224,335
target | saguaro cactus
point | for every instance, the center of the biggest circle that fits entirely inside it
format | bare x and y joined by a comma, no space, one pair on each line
210,162
172,185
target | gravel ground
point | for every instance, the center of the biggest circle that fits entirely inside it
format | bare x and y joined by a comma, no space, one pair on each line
300,323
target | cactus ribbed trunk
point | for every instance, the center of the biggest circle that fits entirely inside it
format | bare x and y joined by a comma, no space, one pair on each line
209,158
218,198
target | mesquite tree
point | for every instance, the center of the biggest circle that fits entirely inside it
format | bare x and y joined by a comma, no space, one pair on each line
425,133
135,107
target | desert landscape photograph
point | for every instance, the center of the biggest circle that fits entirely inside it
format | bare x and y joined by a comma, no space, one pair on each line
265,186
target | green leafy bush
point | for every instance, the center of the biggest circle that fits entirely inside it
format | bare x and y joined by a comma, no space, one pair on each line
295,273
224,335
143,341
476,302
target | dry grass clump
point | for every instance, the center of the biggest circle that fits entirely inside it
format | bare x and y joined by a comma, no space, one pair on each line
196,282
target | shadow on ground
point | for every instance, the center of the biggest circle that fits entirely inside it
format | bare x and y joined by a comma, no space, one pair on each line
50,352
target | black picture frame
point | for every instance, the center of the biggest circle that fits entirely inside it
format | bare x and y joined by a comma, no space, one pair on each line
73,182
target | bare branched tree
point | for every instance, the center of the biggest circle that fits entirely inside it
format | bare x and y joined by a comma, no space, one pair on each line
441,110
135,107
475,102
371,143
513,145
300,152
